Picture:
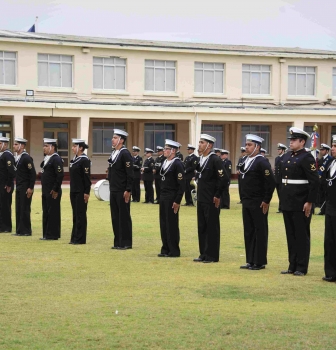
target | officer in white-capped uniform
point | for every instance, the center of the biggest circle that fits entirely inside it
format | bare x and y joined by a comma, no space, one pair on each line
7,175
51,179
172,189
148,176
190,164
330,218
137,165
227,166
257,187
239,164
120,176
156,171
25,181
297,194
211,182
281,151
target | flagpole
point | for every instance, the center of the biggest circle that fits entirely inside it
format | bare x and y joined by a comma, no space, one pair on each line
36,20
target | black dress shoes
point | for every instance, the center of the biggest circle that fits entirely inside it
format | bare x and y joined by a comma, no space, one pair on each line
198,260
257,267
208,261
299,273
16,234
114,247
5,231
27,234
329,279
287,272
124,248
163,255
247,266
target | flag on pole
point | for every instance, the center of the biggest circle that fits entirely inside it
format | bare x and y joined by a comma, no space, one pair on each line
31,29
314,137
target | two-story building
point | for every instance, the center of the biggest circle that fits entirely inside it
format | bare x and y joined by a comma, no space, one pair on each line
65,86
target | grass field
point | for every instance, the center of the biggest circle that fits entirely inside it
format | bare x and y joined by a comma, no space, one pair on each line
59,296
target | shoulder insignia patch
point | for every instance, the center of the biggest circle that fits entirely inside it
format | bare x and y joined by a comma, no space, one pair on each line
128,164
195,162
312,167
322,168
86,170
230,167
29,166
59,169
9,163
267,172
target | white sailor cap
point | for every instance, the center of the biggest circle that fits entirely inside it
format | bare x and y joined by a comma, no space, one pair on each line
119,132
207,137
254,138
4,139
282,146
191,146
216,149
50,141
224,151
148,150
20,140
296,133
159,148
172,143
242,149
333,137
263,150
325,146
136,149
78,141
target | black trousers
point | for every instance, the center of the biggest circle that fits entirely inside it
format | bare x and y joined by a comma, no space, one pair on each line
169,227
79,220
51,219
136,192
149,191
23,205
255,235
6,208
157,182
225,198
208,231
239,189
187,193
330,246
278,187
297,227
322,197
121,220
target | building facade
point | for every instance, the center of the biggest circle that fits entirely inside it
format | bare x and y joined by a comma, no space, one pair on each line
84,87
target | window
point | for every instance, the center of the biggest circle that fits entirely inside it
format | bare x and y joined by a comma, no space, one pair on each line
59,131
54,70
333,132
7,68
209,77
156,133
334,82
215,130
259,130
256,79
5,129
109,73
301,81
160,75
102,136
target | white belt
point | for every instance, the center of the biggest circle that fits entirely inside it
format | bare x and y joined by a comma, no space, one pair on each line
295,182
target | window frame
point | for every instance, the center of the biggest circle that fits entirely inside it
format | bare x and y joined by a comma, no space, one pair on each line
251,71
211,70
203,131
174,131
300,73
16,67
258,133
165,78
109,129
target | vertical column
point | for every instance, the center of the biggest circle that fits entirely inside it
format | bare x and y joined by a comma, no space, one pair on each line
83,125
198,128
18,125
192,130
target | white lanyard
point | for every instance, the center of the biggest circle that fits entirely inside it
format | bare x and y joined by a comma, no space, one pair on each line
332,168
168,167
76,160
46,160
203,163
114,156
17,160
249,164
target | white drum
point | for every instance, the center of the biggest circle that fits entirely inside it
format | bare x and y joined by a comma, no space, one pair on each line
102,190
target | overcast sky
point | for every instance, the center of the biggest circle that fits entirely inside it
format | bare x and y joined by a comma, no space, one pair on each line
289,23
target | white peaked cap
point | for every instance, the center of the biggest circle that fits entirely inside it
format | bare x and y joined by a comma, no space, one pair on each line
263,150
207,137
224,151
172,143
49,141
20,140
254,138
323,145
191,146
4,139
333,138
149,150
78,141
120,132
136,148
159,148
296,132
281,145
243,149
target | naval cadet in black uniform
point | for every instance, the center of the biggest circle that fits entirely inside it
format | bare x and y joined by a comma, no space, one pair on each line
239,164
147,176
120,176
211,182
297,194
217,152
7,174
172,189
51,179
190,164
25,181
80,186
156,171
137,165
323,162
179,154
257,186
227,166
330,218
281,151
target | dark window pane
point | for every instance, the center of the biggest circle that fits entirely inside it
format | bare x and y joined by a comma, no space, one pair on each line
63,140
63,153
159,139
97,137
159,126
48,125
149,126
109,125
98,125
107,141
5,125
218,127
169,126
48,134
170,135
149,139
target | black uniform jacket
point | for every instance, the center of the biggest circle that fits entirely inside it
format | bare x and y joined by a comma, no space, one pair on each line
212,179
137,165
148,166
331,190
257,183
25,172
240,162
323,164
179,155
190,164
80,173
158,164
120,171
7,171
227,166
298,165
53,173
173,185
277,174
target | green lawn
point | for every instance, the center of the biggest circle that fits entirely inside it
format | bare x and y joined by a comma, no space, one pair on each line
58,296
